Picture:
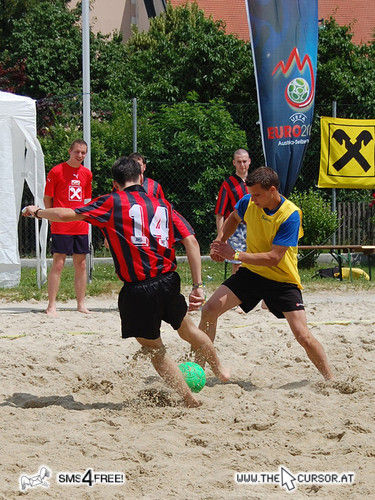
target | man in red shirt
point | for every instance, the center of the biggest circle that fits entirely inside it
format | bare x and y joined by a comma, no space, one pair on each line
141,231
69,185
231,191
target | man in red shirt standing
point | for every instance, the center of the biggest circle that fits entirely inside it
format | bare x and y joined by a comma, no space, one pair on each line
69,185
231,191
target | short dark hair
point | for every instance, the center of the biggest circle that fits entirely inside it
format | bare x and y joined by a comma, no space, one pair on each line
265,176
81,142
125,170
137,156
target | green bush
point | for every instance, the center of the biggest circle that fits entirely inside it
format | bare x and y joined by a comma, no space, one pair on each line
318,221
190,146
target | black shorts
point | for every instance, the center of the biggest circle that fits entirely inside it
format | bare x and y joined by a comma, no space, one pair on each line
251,288
144,305
69,244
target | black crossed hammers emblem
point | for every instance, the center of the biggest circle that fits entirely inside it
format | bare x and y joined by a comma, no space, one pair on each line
353,150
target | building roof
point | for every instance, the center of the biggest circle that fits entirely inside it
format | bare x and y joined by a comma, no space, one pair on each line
360,14
232,12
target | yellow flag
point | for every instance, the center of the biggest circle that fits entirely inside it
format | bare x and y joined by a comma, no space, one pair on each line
347,153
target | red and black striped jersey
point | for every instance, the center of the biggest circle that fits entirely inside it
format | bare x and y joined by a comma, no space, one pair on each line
141,231
231,191
182,228
153,188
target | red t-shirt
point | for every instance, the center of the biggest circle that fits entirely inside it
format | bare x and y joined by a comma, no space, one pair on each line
69,187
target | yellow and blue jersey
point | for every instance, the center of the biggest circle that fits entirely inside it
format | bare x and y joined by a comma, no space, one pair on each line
282,226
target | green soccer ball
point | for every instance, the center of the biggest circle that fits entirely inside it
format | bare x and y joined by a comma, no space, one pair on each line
194,375
298,90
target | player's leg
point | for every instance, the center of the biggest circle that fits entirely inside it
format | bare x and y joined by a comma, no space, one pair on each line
80,280
168,369
203,347
298,324
220,301
54,276
235,267
80,249
141,308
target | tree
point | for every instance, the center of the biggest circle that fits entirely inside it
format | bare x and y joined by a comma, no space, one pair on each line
13,78
10,11
184,51
48,38
190,147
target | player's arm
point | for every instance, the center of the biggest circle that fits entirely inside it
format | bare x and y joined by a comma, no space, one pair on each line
229,227
220,208
286,236
57,214
196,297
269,259
48,201
219,225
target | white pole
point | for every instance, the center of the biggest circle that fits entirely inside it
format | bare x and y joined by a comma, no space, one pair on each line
135,138
37,229
86,106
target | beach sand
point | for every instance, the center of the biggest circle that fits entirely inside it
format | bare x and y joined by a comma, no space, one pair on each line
75,396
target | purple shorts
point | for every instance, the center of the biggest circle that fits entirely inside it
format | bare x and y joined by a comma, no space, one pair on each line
70,244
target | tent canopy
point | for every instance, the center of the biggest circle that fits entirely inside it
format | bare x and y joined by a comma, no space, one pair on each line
21,159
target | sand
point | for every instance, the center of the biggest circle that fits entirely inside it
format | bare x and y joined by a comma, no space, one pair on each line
74,396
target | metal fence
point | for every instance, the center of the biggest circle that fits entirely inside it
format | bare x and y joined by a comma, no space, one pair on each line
188,147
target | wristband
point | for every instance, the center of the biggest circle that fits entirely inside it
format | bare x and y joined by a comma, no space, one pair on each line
197,285
236,255
36,213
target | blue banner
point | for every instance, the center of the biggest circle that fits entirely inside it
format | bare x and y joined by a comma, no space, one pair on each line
284,37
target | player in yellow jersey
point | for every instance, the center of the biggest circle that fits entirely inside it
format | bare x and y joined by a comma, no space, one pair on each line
269,265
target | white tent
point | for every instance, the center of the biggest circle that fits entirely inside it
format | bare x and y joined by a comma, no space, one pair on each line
21,158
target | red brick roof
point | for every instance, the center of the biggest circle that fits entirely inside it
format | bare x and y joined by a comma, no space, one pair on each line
358,13
232,12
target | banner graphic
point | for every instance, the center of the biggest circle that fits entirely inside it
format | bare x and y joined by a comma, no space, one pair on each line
284,37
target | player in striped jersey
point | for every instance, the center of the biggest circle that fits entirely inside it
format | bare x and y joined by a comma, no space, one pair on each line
141,231
231,191
152,187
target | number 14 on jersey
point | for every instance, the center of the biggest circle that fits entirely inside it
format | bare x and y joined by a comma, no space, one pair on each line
159,226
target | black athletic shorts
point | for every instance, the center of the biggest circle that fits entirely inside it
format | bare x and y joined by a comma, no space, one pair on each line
70,244
251,288
145,304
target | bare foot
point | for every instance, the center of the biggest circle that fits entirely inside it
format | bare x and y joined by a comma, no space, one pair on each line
223,374
191,402
264,306
83,310
51,312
